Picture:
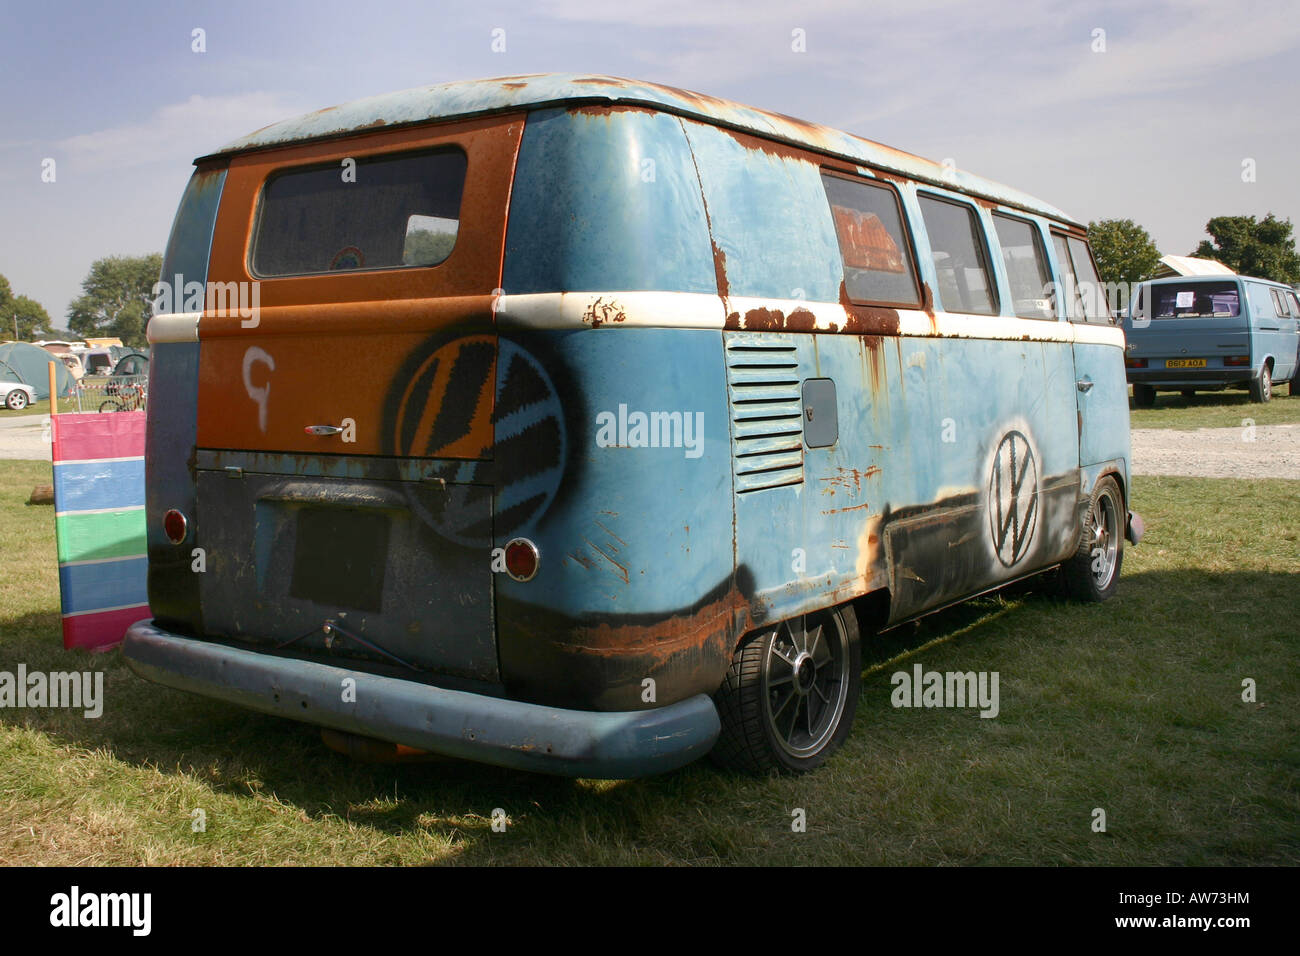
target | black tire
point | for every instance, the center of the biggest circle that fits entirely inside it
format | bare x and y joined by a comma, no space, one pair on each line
1093,573
823,692
16,400
1144,396
1189,393
110,406
1261,388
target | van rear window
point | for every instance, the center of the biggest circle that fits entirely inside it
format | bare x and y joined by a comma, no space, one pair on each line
1193,300
386,212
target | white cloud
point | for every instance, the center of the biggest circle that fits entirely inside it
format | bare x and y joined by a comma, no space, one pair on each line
177,131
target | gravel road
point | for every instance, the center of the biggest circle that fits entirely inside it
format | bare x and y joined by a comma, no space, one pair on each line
25,436
1270,451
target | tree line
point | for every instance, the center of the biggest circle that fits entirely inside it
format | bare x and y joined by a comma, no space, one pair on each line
1264,248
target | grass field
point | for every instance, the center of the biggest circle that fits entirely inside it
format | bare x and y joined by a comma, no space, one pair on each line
1217,410
1133,706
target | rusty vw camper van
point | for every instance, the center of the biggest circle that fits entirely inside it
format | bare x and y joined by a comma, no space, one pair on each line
582,425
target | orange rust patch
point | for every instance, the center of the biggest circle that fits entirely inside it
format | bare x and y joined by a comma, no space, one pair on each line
597,109
719,264
850,476
600,312
801,320
927,306
871,320
837,511
662,639
869,565
764,320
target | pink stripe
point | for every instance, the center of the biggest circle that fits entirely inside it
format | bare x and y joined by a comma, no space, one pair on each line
102,631
79,436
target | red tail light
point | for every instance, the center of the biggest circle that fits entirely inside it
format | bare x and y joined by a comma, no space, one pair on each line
1237,360
1135,363
176,526
522,559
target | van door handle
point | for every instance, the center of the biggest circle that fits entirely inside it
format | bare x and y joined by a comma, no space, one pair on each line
1084,385
323,430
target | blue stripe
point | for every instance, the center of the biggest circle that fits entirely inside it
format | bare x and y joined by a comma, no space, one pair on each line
89,587
92,485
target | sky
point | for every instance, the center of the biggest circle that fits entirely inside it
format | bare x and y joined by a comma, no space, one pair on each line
1104,109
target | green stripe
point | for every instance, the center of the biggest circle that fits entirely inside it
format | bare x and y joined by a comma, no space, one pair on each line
108,534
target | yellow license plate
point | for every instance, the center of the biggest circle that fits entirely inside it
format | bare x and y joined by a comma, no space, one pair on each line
1184,363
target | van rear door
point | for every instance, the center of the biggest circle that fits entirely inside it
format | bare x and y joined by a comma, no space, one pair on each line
346,390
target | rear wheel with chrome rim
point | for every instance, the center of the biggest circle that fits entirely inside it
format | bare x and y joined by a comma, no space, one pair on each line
1093,573
790,694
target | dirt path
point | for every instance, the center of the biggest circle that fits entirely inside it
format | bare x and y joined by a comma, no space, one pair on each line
1267,451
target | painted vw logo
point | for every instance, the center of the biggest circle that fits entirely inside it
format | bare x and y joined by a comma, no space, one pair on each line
1013,498
447,409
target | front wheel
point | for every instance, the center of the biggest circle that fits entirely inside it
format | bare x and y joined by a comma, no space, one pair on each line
110,406
16,400
1093,573
789,697
1261,389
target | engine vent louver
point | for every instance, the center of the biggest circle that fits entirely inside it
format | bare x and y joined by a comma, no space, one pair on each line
763,392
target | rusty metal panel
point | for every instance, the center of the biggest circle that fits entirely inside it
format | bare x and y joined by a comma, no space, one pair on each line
348,569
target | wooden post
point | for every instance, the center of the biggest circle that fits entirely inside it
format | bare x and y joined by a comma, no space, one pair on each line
54,390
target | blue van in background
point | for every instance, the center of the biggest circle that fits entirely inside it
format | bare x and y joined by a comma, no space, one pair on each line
1190,333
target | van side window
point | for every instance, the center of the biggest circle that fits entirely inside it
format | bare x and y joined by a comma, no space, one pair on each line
1025,260
395,211
878,264
1095,307
1069,303
960,259
1281,304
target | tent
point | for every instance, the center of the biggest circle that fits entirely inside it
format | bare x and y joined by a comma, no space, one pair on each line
27,363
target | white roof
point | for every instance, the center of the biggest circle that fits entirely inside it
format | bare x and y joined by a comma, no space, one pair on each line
1191,266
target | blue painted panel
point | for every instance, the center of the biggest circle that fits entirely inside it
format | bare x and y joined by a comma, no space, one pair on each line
606,202
173,404
92,485
916,453
770,218
190,242
89,587
634,529
1103,409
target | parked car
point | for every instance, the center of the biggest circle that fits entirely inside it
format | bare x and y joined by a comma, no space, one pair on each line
16,395
1191,333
